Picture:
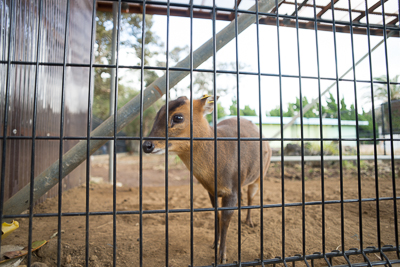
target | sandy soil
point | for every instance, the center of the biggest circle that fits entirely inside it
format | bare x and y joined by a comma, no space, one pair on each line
179,249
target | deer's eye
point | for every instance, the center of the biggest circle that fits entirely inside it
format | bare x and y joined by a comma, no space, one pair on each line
178,118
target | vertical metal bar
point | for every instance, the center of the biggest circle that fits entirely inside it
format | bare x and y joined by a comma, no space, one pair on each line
383,128
371,77
361,236
398,11
357,131
61,148
261,141
396,225
216,222
328,261
238,133
306,262
33,145
339,133
303,199
166,137
321,132
281,129
88,130
5,119
191,135
394,185
115,140
141,138
386,258
112,88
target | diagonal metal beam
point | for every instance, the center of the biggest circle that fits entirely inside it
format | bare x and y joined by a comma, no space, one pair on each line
326,8
370,10
299,7
394,21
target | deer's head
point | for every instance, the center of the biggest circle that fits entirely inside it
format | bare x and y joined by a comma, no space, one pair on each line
179,124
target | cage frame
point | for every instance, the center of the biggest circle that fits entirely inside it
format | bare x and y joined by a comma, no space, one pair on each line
327,256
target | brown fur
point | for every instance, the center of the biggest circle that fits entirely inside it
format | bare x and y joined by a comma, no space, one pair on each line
227,155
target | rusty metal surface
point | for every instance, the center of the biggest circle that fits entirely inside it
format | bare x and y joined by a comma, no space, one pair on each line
22,85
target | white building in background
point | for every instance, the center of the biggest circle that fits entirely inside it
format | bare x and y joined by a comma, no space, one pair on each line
311,128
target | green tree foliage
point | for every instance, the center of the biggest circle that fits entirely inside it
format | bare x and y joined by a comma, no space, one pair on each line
368,130
381,88
233,107
131,25
247,111
276,112
329,110
293,109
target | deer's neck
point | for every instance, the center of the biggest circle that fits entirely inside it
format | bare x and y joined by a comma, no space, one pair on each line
203,151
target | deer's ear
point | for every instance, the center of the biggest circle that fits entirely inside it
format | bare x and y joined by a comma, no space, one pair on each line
208,104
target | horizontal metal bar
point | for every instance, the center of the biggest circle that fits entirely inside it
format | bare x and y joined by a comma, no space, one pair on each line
316,256
137,212
196,138
333,158
337,254
106,4
196,70
374,263
136,67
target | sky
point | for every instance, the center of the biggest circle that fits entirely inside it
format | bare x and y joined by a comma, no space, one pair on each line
270,91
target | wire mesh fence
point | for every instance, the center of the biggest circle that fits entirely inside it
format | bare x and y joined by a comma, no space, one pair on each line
64,66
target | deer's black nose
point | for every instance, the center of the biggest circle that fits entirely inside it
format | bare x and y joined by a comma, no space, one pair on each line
148,146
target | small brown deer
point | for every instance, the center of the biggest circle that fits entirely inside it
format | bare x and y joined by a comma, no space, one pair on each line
203,155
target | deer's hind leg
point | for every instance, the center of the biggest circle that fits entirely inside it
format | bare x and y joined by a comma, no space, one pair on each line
226,216
251,192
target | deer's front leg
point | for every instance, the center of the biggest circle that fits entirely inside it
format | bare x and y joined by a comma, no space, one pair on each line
216,242
226,215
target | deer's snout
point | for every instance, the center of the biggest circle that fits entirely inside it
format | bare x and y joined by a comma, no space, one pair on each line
148,146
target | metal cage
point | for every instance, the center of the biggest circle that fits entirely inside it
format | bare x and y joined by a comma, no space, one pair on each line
30,29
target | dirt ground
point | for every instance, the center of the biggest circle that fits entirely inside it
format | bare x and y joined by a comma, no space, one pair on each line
179,249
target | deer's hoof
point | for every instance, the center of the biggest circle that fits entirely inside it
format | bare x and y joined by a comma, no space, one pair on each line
250,223
223,258
213,246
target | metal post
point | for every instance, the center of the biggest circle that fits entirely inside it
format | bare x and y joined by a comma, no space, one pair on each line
77,154
112,90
